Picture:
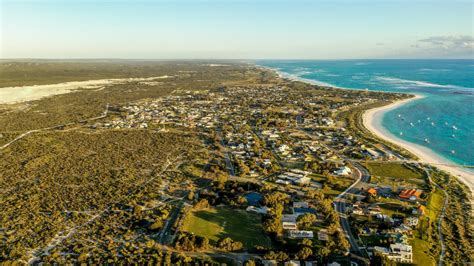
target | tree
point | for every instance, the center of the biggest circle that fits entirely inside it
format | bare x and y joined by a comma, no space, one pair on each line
323,252
306,220
279,256
191,195
227,244
306,242
202,204
303,253
156,225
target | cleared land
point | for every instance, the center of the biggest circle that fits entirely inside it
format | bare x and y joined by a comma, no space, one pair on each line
217,223
394,173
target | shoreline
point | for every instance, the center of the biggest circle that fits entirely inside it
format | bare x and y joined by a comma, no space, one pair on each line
372,120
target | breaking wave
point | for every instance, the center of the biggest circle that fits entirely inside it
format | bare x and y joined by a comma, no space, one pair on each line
416,83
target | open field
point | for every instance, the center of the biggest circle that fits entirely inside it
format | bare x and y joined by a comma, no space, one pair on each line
218,222
394,173
420,255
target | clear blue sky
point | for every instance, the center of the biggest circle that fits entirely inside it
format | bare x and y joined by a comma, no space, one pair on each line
236,29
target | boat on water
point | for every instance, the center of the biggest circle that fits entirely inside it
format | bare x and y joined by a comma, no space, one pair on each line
432,123
453,152
455,128
427,140
401,133
411,124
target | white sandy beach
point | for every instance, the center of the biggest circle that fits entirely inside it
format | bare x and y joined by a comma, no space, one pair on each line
9,95
372,121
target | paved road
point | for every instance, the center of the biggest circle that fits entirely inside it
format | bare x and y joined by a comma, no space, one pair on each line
227,159
165,237
341,206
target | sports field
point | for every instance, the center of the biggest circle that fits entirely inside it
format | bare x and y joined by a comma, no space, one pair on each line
239,225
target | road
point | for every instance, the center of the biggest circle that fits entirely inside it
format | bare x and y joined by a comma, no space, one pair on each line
165,237
341,206
228,161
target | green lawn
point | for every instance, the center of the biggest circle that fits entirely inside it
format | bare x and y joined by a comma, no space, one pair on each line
420,256
435,204
239,225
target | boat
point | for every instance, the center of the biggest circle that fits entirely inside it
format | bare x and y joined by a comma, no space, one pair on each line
401,133
427,141
399,115
432,123
452,136
455,128
419,121
411,124
428,118
453,152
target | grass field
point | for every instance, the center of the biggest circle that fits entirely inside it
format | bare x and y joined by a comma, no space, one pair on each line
390,173
420,256
223,222
435,204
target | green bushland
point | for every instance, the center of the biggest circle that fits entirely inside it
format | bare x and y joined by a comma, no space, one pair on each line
54,181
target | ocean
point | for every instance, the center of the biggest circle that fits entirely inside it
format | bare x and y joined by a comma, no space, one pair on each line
442,121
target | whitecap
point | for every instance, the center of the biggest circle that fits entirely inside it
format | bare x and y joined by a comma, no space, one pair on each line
433,69
416,83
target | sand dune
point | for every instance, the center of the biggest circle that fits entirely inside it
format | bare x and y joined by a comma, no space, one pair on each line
9,95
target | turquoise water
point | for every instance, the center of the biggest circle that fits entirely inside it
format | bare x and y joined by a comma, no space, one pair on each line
445,117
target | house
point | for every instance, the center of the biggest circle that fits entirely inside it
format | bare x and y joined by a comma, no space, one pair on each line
372,153
289,218
302,211
410,194
323,235
420,210
300,234
343,171
289,226
374,210
283,182
372,191
411,221
283,148
302,181
292,263
397,252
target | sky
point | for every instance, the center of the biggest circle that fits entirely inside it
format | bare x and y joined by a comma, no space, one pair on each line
236,29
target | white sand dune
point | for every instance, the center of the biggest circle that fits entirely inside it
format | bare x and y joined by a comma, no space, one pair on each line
9,95
372,121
